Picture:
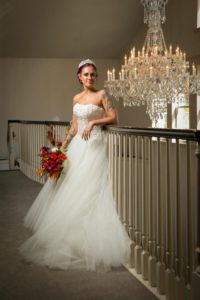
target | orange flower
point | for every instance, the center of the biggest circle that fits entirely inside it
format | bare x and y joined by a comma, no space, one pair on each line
44,164
55,175
39,171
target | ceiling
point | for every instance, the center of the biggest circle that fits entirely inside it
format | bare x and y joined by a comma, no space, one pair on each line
68,28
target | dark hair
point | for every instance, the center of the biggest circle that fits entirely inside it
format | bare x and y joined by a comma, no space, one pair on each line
83,66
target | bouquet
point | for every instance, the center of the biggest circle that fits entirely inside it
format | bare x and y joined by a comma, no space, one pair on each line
52,162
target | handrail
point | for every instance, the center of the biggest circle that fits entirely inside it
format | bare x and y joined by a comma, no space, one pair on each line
186,134
40,122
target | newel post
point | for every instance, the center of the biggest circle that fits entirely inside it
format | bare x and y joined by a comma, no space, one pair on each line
196,273
197,206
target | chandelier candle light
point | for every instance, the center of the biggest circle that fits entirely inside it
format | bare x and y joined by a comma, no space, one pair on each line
155,76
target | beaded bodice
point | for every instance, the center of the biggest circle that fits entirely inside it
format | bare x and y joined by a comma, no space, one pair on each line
85,113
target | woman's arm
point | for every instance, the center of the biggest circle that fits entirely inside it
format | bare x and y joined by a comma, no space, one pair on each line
110,118
71,133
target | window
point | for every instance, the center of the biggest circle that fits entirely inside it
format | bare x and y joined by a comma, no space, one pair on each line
161,123
180,114
198,112
182,117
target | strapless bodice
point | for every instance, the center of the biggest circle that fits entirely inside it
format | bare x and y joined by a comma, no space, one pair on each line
85,113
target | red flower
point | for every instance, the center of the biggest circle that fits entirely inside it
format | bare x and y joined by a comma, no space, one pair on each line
62,156
51,162
54,155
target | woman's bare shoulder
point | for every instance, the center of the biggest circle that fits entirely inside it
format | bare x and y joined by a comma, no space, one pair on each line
101,92
77,97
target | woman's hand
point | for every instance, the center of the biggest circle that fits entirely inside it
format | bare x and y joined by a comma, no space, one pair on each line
87,131
63,146
70,134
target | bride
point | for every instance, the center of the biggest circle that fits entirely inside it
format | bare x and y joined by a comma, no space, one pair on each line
74,220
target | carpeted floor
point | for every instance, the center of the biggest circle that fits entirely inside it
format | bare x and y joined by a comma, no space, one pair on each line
23,281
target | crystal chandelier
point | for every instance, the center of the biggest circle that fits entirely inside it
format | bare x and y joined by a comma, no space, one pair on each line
155,76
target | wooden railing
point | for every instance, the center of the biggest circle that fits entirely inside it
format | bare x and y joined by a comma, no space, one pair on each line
25,140
156,185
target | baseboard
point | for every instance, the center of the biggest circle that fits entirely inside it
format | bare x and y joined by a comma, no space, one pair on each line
4,164
153,290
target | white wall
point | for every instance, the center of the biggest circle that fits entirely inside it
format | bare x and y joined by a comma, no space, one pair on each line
40,89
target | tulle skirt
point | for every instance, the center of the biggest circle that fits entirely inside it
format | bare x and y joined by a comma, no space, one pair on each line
74,220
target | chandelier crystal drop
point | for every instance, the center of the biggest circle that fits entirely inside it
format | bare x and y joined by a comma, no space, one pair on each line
155,76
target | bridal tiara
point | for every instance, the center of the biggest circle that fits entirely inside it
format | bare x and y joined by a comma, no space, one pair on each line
86,61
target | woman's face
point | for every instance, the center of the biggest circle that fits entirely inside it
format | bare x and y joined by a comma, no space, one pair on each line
88,76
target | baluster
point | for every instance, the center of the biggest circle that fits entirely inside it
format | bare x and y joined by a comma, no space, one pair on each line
179,284
109,151
33,150
36,151
111,155
188,222
20,146
152,258
177,214
197,207
160,268
130,198
195,280
25,147
44,130
40,144
120,178
145,254
29,146
23,150
32,132
56,134
125,221
115,168
138,248
169,274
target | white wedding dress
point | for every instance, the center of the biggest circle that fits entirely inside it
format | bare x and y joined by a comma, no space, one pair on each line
74,220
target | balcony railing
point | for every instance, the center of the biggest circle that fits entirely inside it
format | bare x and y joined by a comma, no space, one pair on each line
25,140
156,185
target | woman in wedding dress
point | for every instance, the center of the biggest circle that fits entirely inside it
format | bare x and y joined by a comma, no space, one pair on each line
74,220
